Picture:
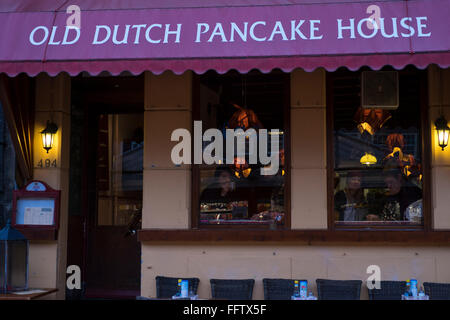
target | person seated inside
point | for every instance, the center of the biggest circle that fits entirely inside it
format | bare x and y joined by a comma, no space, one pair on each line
350,204
222,190
399,195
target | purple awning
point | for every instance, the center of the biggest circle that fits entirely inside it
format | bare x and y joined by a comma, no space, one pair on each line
138,35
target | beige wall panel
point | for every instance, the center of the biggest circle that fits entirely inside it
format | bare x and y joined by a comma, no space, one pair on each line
61,146
50,176
296,262
442,266
168,91
161,260
308,88
42,264
439,82
308,199
308,138
159,126
207,262
438,79
309,266
231,266
48,259
392,268
166,199
63,233
440,197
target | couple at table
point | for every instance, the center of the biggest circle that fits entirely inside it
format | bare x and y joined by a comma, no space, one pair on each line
351,204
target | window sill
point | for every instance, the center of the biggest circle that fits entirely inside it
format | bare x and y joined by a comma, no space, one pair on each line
401,237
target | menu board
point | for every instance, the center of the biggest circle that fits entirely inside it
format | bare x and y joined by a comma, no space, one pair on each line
38,216
32,211
36,211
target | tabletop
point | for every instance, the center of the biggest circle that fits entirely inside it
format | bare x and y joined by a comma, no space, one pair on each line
29,294
425,297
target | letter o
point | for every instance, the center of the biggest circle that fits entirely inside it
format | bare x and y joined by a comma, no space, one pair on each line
34,31
374,30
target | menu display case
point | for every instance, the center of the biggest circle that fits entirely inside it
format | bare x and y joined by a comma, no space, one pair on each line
36,211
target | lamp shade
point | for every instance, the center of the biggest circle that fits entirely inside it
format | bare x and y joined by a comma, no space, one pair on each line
368,159
13,260
443,131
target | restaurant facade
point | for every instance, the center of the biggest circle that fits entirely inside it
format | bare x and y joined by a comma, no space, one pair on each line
247,140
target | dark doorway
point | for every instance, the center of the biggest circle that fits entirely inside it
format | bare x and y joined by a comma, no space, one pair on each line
106,186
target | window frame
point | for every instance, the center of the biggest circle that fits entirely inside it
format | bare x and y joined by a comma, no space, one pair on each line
195,168
426,235
333,225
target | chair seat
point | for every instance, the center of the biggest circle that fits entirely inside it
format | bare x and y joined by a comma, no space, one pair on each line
389,290
338,289
437,291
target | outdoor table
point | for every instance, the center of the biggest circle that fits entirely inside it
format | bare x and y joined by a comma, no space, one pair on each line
29,294
306,298
425,297
190,297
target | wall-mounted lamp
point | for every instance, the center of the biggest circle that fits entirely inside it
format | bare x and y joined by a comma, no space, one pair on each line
48,134
442,131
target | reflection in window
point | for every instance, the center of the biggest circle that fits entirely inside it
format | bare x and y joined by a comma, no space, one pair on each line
119,168
236,189
377,153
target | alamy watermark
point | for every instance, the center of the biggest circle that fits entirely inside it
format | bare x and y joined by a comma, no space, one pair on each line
374,280
74,279
235,153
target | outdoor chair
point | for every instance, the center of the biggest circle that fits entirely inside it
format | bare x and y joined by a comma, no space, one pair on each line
389,290
437,291
278,289
166,287
232,289
338,289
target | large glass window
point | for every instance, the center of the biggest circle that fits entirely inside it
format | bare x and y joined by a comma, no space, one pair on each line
378,158
245,181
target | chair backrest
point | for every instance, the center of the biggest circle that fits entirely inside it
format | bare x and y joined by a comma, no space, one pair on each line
278,289
232,289
166,287
338,289
437,291
389,290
